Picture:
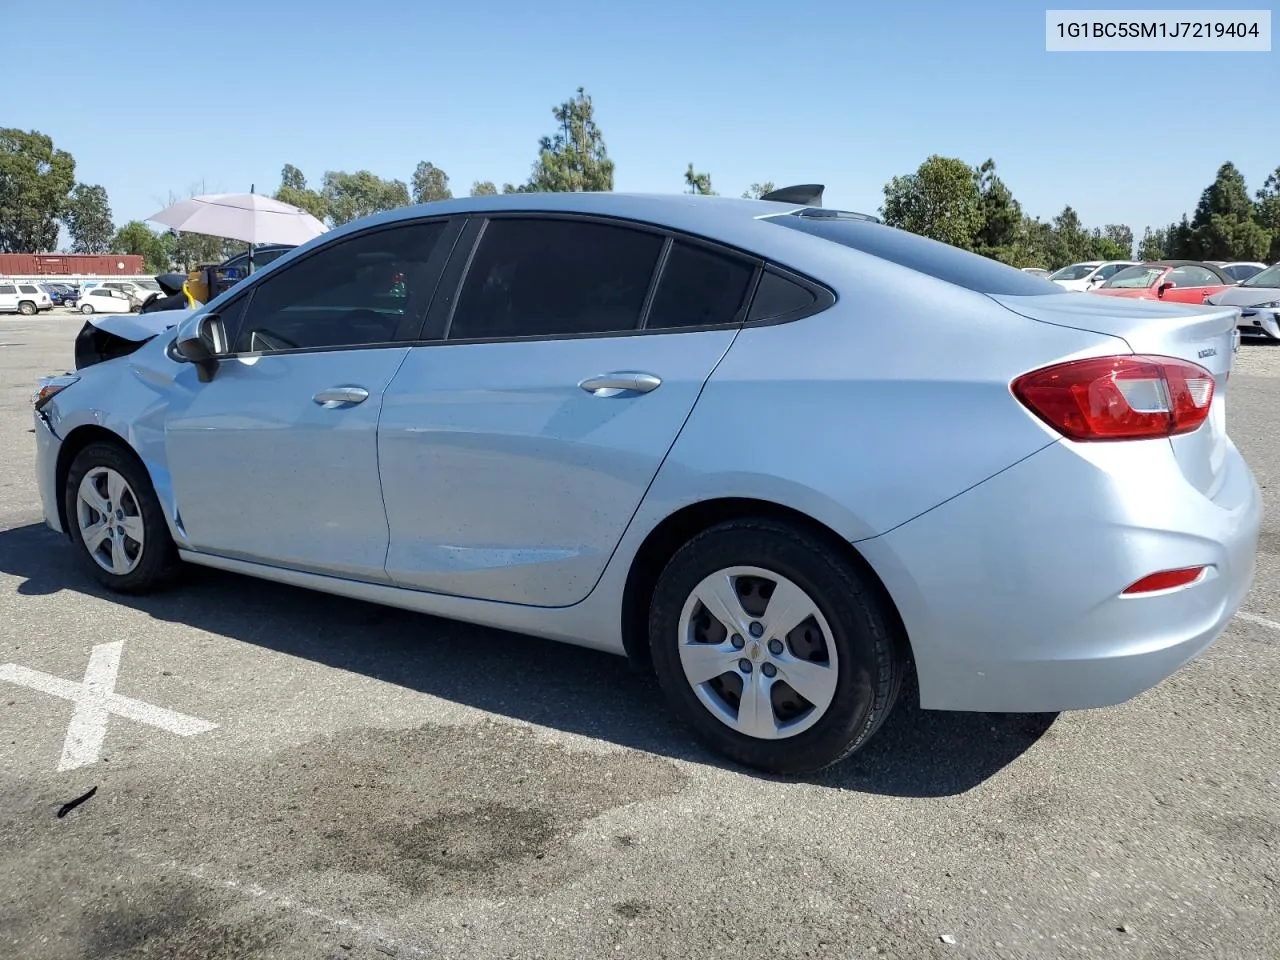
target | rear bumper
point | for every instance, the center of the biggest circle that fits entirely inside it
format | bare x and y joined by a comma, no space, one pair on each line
1010,593
47,446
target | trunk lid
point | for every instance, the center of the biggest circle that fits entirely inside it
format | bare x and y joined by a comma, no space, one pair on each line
1203,334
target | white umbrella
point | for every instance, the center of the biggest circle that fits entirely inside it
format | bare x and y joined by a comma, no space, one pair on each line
250,217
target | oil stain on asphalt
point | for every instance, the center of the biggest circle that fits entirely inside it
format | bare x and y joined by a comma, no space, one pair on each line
364,823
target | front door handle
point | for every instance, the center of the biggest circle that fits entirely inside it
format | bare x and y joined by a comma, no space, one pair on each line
612,384
341,397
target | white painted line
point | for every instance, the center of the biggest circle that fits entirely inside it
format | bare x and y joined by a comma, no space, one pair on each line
1260,621
95,699
89,723
374,933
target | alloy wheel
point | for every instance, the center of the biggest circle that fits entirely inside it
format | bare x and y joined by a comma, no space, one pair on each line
110,521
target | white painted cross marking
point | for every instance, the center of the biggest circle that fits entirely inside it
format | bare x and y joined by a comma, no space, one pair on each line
95,699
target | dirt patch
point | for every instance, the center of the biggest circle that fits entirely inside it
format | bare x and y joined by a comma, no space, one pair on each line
392,815
175,920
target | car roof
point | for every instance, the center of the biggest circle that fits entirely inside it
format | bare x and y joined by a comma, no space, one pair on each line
682,208
730,220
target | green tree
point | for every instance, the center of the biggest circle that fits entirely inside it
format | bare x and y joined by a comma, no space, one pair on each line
1122,237
1104,247
483,188
1178,240
1034,243
350,196
137,239
1224,227
574,158
1071,242
1153,244
35,179
1267,213
758,190
1001,217
698,183
430,183
88,219
940,200
293,190
190,250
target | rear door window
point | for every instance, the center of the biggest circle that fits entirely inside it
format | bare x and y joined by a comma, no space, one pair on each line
532,277
700,287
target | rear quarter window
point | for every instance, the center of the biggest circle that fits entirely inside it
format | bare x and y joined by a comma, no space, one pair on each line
930,257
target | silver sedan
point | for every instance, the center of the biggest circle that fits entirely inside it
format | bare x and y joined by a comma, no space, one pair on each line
782,454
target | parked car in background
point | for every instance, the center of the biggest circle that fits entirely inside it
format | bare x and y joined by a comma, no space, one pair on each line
1088,274
62,294
1036,271
1240,270
138,288
107,300
633,423
1178,281
1259,301
27,299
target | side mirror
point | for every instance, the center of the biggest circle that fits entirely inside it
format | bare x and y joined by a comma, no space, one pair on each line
1167,285
202,340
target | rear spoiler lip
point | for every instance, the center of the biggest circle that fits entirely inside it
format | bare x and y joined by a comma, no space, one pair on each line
808,194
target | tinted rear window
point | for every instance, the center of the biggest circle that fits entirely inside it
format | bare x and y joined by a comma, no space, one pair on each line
931,257
699,287
777,296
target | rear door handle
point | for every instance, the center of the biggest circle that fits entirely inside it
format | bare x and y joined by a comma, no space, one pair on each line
612,384
341,397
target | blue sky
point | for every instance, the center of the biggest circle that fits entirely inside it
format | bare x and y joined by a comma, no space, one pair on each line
843,93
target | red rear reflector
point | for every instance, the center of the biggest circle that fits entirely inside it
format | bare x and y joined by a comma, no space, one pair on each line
1119,398
1165,580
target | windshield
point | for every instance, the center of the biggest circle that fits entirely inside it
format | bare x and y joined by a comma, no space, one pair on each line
1134,278
148,284
1077,271
1269,277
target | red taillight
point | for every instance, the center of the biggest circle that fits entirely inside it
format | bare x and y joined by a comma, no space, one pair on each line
1165,580
1119,398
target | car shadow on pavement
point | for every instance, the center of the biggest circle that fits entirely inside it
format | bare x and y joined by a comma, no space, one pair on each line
918,753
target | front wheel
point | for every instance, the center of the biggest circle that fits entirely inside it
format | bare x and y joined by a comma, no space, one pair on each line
87,309
116,521
773,647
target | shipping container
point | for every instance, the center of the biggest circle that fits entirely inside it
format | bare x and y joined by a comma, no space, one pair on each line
69,264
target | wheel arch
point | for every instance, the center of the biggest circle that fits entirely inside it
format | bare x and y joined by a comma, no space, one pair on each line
75,441
677,529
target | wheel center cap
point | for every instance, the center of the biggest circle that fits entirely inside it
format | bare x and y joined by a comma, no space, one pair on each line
755,653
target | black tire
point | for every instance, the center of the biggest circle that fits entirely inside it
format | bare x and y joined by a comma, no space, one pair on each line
870,661
158,559
27,308
86,309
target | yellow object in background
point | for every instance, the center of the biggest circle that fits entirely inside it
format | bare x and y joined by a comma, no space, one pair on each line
197,286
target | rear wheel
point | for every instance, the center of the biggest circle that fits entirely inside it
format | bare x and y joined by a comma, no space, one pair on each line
116,521
27,308
773,647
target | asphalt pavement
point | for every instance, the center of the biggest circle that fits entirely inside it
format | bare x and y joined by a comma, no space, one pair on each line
284,774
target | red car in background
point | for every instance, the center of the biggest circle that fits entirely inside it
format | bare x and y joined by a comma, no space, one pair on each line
1177,281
